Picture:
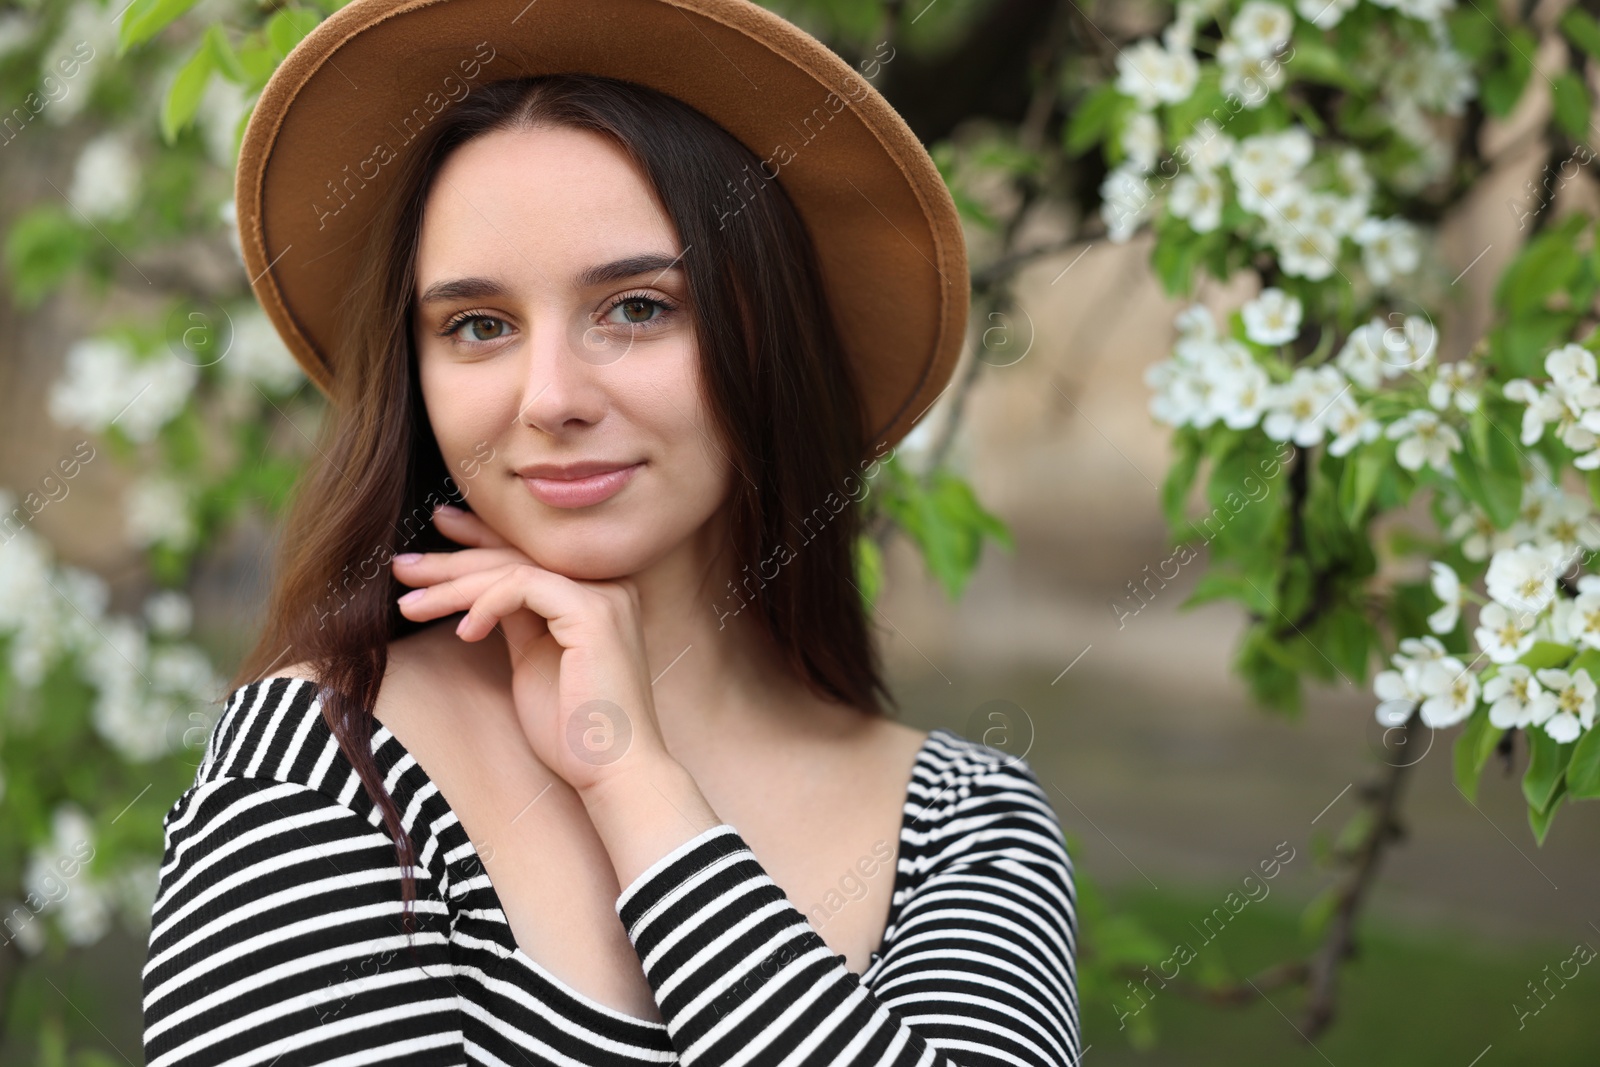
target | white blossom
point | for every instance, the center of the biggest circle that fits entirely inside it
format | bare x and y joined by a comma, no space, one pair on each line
1479,536
1261,28
1207,380
1351,424
1196,323
1389,247
57,872
1141,140
1324,14
106,383
1450,692
105,180
16,31
87,23
157,512
1504,637
1513,696
1524,578
1424,439
1272,318
168,612
1299,408
1568,522
1374,352
1572,697
1196,197
1583,622
1153,75
1125,201
1439,79
258,355
1458,382
1207,147
1247,78
1447,587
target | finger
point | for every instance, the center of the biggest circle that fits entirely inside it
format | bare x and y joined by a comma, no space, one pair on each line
430,568
557,599
466,528
450,595
523,630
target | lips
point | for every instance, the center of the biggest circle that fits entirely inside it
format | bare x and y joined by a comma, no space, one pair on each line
577,485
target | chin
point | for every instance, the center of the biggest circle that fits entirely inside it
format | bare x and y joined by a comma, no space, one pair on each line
588,559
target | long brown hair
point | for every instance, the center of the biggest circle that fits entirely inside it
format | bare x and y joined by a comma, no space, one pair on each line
780,392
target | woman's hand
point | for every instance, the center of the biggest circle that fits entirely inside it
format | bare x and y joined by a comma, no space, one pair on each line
580,679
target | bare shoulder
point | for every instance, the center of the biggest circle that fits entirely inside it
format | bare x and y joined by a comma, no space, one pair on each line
424,666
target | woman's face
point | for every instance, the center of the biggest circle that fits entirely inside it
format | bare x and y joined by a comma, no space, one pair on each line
552,328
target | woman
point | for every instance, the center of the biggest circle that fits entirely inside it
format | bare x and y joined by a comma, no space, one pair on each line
630,629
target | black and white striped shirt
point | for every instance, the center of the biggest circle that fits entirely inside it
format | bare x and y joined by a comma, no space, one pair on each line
276,937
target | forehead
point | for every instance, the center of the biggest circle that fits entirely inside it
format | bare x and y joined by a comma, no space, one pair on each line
545,202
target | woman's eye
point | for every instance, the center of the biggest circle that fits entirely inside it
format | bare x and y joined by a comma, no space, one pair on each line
473,326
637,311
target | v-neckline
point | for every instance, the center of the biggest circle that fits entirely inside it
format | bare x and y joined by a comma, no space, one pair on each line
503,927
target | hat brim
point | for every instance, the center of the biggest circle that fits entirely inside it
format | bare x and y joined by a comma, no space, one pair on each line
887,234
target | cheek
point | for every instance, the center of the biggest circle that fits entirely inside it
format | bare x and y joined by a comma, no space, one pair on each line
465,417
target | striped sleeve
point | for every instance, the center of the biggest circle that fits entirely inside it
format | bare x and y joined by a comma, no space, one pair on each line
980,971
276,938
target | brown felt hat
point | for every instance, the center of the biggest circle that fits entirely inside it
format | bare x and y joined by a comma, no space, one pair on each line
368,78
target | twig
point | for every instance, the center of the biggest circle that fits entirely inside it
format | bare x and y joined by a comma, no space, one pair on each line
1278,976
1339,944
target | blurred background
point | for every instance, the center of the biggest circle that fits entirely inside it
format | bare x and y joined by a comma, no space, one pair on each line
130,586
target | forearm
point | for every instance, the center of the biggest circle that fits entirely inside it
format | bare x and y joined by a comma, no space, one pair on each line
645,813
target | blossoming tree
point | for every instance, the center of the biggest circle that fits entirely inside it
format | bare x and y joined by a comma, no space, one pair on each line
1319,146
1315,144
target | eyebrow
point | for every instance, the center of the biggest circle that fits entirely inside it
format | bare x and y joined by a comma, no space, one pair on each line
617,270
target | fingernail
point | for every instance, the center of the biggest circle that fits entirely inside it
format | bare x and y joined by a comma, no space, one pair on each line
448,509
408,557
414,594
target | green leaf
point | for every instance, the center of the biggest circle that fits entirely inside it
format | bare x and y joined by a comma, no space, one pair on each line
1571,100
1173,259
1502,86
1220,585
145,18
1546,266
1518,346
43,248
1546,654
1472,32
1491,497
1547,763
1539,821
183,98
1316,61
946,521
1473,747
1318,912
289,26
228,64
1500,474
1583,772
1094,118
869,570
1582,30
1180,476
1587,660
1363,468
1346,636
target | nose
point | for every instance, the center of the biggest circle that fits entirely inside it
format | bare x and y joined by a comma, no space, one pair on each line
561,385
